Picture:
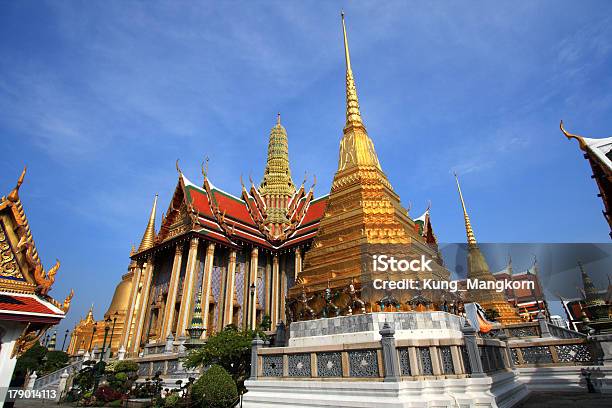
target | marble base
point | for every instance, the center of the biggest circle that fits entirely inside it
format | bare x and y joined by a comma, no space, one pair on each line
365,328
566,378
502,390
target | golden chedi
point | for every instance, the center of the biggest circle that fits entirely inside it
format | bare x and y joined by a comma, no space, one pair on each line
363,218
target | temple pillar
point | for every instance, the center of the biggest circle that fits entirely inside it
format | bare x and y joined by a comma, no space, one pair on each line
129,315
230,283
298,263
191,274
206,285
252,298
274,298
142,304
168,314
283,290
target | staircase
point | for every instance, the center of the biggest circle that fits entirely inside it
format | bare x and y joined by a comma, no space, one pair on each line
51,380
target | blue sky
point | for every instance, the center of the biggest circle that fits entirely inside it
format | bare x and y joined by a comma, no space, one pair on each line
99,99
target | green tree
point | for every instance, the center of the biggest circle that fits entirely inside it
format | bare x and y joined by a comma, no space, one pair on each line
39,359
230,349
31,360
215,388
55,360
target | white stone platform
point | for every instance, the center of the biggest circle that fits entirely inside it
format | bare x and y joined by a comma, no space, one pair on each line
364,328
501,390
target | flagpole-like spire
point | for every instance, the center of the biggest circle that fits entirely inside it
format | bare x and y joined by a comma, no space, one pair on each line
148,238
353,115
471,239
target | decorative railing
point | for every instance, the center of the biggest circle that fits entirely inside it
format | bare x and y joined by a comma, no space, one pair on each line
422,358
555,352
519,330
54,377
563,333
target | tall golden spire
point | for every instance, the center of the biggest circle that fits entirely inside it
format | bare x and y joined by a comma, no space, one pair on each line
356,147
471,239
353,115
277,180
148,238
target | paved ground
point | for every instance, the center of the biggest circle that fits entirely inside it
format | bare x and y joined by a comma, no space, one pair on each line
535,400
567,400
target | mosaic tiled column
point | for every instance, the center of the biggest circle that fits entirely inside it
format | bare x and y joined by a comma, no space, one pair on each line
298,263
168,317
230,289
129,315
191,274
274,303
283,290
142,304
252,298
206,284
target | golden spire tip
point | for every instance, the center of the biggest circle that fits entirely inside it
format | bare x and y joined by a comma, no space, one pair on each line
278,121
14,194
471,238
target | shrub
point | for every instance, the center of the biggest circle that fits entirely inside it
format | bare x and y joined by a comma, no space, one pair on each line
171,400
121,377
107,394
215,388
230,348
122,366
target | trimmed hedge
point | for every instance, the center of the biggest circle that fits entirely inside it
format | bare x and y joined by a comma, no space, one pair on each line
215,388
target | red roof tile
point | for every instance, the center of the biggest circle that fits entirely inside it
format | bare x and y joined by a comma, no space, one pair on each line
199,200
315,211
233,207
25,305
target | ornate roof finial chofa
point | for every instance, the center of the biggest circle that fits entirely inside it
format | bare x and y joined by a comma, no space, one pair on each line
14,195
205,167
148,238
580,139
471,239
353,115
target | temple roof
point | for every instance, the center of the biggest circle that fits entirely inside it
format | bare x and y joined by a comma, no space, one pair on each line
232,220
21,271
599,154
28,308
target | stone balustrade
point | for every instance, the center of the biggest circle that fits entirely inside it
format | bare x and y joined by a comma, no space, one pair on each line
417,359
550,352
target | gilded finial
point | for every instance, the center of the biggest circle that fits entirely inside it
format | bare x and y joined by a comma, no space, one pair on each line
178,169
580,139
14,195
278,121
148,238
205,167
471,239
353,115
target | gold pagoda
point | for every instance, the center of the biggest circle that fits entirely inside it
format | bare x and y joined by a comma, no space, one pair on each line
478,268
363,218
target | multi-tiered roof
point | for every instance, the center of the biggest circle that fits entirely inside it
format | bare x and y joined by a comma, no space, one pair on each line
24,282
274,216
